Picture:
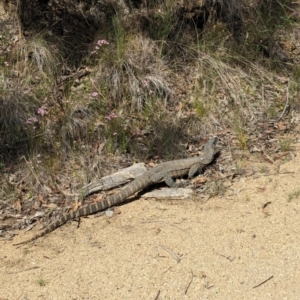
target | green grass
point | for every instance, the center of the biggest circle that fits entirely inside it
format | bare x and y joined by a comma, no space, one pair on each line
294,195
264,169
41,282
285,144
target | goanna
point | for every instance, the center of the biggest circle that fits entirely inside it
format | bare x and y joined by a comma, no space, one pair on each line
165,171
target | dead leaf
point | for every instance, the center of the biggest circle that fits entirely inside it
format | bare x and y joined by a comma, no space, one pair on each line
178,110
267,158
55,189
48,189
99,198
76,206
98,123
262,189
199,180
17,205
179,106
37,204
12,179
42,199
117,210
51,205
28,228
100,148
281,126
151,164
276,157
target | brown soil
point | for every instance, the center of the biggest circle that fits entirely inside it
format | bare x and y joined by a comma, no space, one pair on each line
243,245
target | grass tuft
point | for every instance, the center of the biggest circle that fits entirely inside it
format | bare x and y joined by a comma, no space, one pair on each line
138,75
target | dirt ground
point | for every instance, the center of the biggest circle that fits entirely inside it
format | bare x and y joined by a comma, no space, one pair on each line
243,245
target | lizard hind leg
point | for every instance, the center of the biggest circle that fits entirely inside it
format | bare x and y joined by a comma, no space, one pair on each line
171,183
169,180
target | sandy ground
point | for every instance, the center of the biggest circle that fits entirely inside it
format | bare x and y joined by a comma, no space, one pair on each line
243,245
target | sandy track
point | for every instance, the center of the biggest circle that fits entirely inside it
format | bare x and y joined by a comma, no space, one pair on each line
170,249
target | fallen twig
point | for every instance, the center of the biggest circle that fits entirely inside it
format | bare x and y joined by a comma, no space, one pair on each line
36,267
263,282
156,298
188,286
175,256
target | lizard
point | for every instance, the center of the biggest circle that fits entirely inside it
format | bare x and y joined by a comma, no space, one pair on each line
165,171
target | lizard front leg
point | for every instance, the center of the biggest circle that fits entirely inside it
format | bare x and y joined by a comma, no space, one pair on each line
193,170
169,180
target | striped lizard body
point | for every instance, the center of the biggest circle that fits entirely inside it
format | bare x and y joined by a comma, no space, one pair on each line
165,171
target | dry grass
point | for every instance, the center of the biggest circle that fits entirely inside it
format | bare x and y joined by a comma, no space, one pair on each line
15,110
26,85
36,56
138,75
242,89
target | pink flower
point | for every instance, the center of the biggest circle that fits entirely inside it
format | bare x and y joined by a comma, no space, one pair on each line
32,120
282,79
112,115
102,42
42,110
95,94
